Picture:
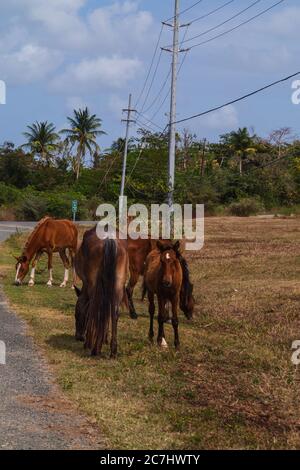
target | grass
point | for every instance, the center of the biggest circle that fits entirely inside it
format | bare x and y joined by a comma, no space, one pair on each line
232,385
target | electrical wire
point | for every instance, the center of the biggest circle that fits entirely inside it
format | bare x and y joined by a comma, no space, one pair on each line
184,11
211,12
223,22
238,26
248,95
150,68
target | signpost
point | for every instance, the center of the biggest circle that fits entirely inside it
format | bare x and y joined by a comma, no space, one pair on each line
74,209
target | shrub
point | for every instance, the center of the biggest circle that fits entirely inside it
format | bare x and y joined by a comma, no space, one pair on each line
245,207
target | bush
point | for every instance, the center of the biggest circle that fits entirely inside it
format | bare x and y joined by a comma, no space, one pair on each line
245,207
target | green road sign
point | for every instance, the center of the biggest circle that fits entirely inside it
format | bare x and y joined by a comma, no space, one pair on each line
74,206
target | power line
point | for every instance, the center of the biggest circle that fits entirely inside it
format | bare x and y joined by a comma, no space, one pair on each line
166,81
150,68
248,95
212,12
223,22
184,11
149,120
152,81
167,95
160,92
238,26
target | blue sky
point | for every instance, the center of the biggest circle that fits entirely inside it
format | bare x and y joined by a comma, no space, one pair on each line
59,54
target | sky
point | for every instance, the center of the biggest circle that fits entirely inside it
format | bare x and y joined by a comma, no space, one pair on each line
57,55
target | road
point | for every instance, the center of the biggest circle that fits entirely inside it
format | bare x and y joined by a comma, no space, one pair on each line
33,412
8,228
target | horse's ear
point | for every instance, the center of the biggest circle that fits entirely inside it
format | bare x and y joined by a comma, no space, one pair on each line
77,291
176,246
160,245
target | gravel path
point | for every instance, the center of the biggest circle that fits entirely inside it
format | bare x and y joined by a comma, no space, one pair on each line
33,412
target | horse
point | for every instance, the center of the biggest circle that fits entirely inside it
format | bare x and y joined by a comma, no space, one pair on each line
163,277
138,251
102,265
49,236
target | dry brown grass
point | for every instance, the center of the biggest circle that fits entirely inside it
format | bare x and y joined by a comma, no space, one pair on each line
232,385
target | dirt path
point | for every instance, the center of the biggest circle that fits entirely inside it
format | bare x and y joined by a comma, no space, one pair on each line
33,413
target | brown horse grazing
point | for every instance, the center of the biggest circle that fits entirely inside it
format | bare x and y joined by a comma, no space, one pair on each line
163,277
138,251
102,265
49,236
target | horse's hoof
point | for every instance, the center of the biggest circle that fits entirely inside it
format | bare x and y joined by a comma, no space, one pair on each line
163,344
73,287
63,284
49,284
30,283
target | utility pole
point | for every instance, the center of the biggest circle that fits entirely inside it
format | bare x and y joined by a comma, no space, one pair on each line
128,122
172,126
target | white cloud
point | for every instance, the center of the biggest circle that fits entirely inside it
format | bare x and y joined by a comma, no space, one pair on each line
29,64
93,74
222,120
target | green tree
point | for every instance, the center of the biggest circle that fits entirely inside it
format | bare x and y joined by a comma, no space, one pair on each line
42,140
241,143
83,132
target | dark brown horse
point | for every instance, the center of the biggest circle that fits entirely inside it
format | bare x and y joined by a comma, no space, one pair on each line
138,251
49,236
102,265
163,277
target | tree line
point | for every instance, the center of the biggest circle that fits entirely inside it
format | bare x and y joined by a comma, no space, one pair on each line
242,173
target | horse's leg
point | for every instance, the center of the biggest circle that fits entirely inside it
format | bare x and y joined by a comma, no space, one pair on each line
66,263
161,320
50,268
175,303
134,277
32,274
74,275
151,313
114,328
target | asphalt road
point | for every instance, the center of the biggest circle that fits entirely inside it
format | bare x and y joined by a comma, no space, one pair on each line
8,228
33,412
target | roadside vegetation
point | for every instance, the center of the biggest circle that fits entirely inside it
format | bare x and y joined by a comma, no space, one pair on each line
241,174
231,386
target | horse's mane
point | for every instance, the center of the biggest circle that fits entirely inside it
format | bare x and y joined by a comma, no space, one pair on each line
35,230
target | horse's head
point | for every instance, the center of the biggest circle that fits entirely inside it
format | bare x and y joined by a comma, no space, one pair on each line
168,258
22,268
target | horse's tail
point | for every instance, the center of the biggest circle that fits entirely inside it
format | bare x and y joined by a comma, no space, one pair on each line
102,304
187,287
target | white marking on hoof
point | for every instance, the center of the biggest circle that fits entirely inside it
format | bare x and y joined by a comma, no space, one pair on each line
63,284
73,287
31,283
164,344
49,283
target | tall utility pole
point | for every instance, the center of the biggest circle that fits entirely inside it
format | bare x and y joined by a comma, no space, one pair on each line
128,122
172,126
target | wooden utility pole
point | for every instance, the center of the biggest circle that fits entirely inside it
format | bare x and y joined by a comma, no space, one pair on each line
128,121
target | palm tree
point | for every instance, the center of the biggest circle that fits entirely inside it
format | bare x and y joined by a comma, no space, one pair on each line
84,130
42,140
242,143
